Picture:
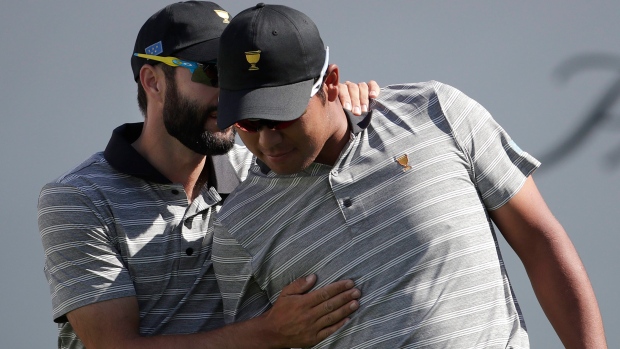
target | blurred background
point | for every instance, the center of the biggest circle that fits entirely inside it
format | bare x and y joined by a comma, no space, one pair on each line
549,72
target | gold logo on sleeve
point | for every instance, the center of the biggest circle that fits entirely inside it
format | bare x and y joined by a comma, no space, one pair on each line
252,57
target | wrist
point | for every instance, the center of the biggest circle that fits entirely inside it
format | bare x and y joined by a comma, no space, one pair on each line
268,333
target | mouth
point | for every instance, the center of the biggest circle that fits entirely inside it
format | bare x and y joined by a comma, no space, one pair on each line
279,156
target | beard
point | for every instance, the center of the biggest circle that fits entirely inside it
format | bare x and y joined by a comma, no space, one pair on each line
185,120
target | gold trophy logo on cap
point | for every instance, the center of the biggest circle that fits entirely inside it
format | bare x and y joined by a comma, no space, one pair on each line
252,57
223,14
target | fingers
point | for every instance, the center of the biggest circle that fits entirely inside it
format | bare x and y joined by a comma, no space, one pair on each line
334,310
334,290
304,319
328,331
373,89
356,97
363,96
367,91
338,308
349,95
336,301
334,319
299,286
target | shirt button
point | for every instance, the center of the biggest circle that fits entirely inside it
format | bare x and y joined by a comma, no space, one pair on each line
175,192
334,173
189,251
347,202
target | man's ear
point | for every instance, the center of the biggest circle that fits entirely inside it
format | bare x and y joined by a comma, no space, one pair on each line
153,82
332,81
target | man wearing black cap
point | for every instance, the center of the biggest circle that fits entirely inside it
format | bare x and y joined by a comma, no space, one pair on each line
127,234
399,202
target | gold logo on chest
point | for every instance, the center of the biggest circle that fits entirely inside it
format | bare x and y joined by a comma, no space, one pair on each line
403,160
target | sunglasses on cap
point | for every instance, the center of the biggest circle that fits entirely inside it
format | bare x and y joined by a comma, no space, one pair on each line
254,125
204,73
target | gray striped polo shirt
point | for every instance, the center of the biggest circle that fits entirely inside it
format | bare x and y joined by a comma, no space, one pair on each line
115,227
403,212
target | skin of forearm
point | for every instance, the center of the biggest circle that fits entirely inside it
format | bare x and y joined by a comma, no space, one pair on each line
247,334
565,294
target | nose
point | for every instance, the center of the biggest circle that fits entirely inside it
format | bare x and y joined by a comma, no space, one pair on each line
268,138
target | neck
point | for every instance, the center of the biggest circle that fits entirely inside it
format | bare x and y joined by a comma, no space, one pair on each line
340,137
172,159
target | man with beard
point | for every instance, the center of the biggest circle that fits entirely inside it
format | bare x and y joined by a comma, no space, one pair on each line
127,234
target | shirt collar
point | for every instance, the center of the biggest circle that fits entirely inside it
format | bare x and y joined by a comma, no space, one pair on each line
358,123
124,157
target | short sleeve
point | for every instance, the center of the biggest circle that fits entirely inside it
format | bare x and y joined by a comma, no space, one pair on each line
82,263
499,167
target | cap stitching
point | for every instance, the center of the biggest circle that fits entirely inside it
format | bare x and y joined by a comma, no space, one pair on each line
255,26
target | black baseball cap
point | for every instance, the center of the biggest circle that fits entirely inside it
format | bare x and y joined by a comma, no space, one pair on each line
269,59
188,30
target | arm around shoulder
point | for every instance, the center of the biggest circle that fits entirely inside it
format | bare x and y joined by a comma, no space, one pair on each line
556,272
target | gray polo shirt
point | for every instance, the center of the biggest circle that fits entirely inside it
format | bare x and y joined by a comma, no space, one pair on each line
403,212
115,227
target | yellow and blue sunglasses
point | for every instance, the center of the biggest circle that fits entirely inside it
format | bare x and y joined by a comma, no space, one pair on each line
204,73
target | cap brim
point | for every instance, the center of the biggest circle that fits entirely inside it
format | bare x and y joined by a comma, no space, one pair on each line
281,103
201,52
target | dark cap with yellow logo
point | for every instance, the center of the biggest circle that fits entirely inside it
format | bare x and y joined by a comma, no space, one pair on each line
270,56
188,30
